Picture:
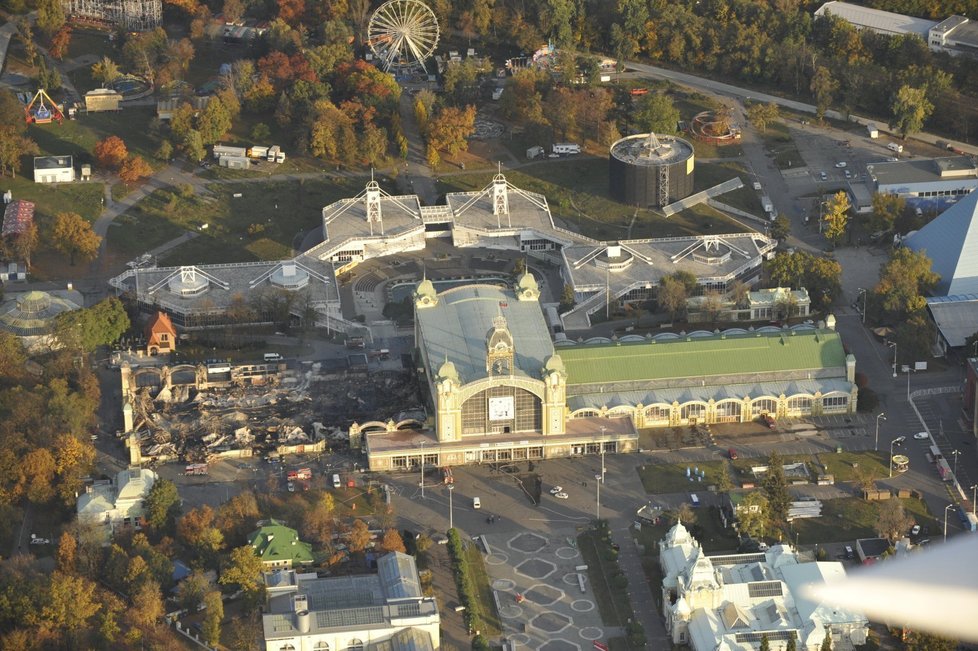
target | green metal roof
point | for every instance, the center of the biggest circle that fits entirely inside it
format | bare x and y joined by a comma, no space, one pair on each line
750,353
275,542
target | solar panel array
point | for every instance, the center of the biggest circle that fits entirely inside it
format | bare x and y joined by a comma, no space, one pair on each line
760,589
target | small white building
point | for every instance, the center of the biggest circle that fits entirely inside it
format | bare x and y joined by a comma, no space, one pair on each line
732,602
121,503
53,169
374,612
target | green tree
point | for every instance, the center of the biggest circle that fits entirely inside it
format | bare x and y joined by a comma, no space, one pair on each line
567,300
765,644
920,641
191,591
213,615
147,605
911,109
780,228
775,487
823,87
243,569
826,641
105,71
655,112
763,114
260,132
88,328
71,603
886,208
165,151
752,514
836,217
50,16
214,121
162,505
914,336
904,280
193,145
48,78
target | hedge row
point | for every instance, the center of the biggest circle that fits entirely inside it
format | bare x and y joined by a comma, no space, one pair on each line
468,594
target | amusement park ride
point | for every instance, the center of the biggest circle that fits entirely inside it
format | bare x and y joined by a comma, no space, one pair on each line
42,113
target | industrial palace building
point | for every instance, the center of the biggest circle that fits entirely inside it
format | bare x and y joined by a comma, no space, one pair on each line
498,387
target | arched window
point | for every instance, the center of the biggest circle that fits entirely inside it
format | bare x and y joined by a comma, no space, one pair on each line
287,647
693,410
321,646
764,405
354,645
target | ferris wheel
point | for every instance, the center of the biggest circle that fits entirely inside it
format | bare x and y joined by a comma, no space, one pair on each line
403,34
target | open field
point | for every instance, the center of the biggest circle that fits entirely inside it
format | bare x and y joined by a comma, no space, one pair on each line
779,143
262,224
50,199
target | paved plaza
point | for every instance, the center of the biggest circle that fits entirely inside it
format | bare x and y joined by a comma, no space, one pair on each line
553,614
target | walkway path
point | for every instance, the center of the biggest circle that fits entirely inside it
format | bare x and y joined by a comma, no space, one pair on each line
644,604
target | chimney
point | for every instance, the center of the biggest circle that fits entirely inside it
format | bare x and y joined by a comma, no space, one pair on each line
303,620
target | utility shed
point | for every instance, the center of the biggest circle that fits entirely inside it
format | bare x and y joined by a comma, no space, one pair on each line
102,99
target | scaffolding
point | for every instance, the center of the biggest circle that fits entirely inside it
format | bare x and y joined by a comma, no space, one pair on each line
131,15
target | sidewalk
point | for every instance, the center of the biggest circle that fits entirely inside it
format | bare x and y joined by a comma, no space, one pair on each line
644,603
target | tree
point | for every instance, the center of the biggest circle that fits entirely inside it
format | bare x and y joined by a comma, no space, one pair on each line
752,514
672,296
147,605
892,522
48,78
243,569
449,129
780,228
723,482
13,147
50,16
260,132
792,644
106,71
60,42
134,169
921,641
911,109
213,614
193,145
71,603
823,87
36,476
392,542
886,208
165,151
567,299
191,591
836,217
775,487
765,644
24,243
196,529
162,505
904,280
763,114
214,121
655,112
66,557
91,327
826,641
111,153
685,514
237,517
359,537
12,357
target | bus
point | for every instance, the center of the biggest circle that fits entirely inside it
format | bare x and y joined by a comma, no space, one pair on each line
944,470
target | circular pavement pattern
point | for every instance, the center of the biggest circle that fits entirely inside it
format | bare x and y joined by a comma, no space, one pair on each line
522,639
567,553
503,585
497,559
560,644
582,606
510,612
570,578
591,633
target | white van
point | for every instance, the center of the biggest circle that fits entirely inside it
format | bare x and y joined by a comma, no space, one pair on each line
476,503
336,481
273,357
892,146
566,148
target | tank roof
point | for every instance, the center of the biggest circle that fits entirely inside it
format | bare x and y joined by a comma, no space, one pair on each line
651,149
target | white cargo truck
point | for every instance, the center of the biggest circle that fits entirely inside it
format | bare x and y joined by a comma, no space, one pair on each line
873,131
767,204
275,154
257,151
223,150
565,148
892,146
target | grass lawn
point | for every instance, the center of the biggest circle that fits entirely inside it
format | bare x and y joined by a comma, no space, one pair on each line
82,198
847,465
671,478
778,141
274,213
605,578
746,198
78,137
480,579
90,41
845,518
577,193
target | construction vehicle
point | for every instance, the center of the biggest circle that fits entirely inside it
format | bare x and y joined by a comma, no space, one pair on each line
304,474
196,469
42,113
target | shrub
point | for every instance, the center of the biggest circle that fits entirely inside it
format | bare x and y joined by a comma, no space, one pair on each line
868,400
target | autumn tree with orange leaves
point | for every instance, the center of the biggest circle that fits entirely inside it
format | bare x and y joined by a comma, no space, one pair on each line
134,169
111,153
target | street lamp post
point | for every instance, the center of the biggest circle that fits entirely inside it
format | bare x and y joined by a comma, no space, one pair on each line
908,381
974,494
897,441
893,345
860,290
597,483
946,509
956,453
422,469
876,445
451,519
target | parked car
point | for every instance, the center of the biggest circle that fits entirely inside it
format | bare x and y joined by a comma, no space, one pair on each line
841,164
849,553
291,487
561,496
732,454
920,436
35,540
915,530
769,420
556,489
